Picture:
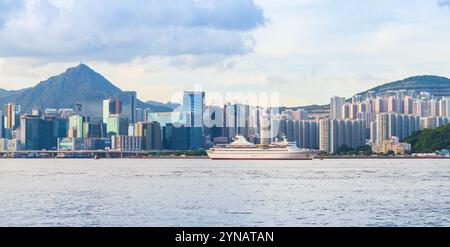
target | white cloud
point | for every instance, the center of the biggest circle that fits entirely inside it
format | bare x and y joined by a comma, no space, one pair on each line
116,30
273,80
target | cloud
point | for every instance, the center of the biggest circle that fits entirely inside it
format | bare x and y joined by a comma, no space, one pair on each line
116,30
276,80
444,3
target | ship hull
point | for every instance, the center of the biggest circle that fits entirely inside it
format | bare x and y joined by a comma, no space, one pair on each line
217,155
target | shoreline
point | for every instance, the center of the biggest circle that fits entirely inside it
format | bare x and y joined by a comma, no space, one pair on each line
206,158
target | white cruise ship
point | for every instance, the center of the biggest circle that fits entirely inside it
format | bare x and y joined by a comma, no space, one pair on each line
241,149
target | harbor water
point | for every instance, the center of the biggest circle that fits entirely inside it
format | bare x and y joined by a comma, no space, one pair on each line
140,192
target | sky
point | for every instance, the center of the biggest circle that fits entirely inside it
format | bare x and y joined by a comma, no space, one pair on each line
306,50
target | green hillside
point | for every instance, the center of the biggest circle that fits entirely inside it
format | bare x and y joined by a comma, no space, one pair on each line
430,140
436,85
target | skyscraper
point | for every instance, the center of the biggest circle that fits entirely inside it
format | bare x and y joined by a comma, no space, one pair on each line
266,126
150,133
1,124
11,116
36,133
129,104
111,106
76,122
152,136
193,107
113,125
334,133
140,115
175,137
91,106
308,134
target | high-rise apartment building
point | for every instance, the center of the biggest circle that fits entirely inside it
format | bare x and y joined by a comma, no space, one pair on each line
308,134
391,124
336,104
335,133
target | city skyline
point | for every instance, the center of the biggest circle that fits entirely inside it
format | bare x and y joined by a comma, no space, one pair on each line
376,120
288,46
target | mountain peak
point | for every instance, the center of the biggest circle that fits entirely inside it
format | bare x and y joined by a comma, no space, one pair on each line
66,89
80,69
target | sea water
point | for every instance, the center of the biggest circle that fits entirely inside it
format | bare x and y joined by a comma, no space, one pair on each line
185,192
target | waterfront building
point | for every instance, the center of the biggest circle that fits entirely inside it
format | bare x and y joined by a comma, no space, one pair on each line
30,132
163,117
392,124
140,115
116,125
214,125
10,145
129,104
36,133
175,137
152,138
132,129
91,106
94,130
72,133
76,122
373,133
126,143
151,135
111,106
113,125
287,130
71,144
334,133
2,134
266,126
11,116
83,144
308,134
392,145
193,108
324,134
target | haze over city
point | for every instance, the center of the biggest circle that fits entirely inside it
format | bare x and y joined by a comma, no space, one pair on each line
306,50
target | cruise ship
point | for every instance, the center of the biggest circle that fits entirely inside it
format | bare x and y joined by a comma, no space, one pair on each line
241,149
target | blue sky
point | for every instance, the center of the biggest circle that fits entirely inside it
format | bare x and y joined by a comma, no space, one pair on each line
307,50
